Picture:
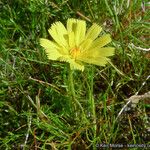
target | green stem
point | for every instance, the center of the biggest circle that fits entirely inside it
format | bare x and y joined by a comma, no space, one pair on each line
92,108
73,101
71,90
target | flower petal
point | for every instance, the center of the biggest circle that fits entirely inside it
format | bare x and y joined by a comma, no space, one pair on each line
93,32
80,32
96,52
101,41
106,51
79,29
64,58
73,65
100,52
50,48
100,61
71,40
71,25
85,45
58,33
96,56
76,66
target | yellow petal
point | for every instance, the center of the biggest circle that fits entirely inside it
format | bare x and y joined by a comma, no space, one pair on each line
93,32
101,41
64,58
73,65
58,33
106,51
85,45
96,56
50,48
79,29
48,44
99,52
100,61
71,40
76,66
71,25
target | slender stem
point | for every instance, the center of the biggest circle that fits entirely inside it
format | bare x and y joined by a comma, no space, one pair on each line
73,102
71,90
71,84
92,107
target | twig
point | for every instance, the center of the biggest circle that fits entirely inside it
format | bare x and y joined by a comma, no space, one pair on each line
134,99
142,85
28,131
40,112
42,82
81,15
139,48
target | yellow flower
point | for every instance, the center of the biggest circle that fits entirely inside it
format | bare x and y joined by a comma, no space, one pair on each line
75,45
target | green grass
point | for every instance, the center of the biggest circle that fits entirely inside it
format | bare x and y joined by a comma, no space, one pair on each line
35,99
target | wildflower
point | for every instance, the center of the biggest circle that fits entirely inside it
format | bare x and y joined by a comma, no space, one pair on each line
77,46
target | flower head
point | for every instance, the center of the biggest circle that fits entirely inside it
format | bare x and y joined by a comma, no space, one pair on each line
76,46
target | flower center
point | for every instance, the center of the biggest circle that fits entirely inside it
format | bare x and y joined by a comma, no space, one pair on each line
75,52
